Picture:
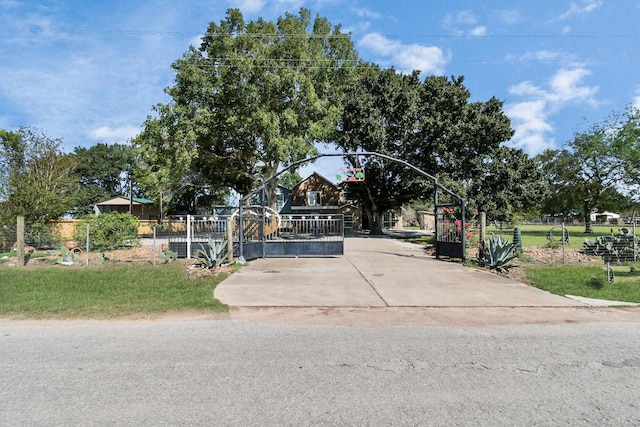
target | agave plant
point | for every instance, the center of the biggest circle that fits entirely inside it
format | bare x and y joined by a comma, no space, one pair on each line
214,254
497,253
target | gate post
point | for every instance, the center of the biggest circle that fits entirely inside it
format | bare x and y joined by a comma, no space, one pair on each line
435,219
20,241
483,227
463,229
188,227
230,238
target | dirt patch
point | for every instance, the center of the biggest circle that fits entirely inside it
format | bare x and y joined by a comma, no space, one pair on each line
141,255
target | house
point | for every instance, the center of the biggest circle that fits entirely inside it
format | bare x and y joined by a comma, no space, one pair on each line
318,195
283,195
142,208
605,217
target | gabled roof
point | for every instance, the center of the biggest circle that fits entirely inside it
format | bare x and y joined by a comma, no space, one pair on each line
119,201
320,177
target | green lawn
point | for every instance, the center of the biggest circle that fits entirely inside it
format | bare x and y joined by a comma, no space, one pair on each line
569,279
532,235
577,280
103,292
536,235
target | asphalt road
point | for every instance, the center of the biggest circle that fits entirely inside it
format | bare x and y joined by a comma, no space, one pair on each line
237,373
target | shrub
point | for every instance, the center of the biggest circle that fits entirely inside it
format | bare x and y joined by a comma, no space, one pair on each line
108,231
497,253
214,254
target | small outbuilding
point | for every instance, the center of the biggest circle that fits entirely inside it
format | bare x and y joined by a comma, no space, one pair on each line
142,208
605,217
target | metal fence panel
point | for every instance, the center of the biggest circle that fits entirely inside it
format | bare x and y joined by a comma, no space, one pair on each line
291,235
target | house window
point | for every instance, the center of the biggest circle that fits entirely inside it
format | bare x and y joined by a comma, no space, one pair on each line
314,198
389,219
280,202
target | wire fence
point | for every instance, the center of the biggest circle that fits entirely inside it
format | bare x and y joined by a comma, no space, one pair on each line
542,243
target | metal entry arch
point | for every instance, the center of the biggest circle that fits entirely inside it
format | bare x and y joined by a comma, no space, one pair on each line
450,241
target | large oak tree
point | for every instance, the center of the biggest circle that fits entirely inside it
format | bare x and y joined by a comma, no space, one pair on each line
253,96
433,125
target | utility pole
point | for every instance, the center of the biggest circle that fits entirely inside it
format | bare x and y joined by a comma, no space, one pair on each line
130,193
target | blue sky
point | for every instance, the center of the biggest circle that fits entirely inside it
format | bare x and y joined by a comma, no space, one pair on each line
90,71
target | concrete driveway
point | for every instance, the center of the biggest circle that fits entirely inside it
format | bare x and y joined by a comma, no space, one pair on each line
377,272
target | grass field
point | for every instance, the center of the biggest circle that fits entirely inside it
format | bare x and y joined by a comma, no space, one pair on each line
577,280
533,234
116,291
536,235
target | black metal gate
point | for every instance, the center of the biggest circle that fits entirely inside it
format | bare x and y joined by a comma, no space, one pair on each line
264,234
298,235
450,231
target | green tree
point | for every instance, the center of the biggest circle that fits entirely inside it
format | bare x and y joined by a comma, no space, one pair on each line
588,173
432,125
377,111
253,96
37,179
505,181
626,130
103,173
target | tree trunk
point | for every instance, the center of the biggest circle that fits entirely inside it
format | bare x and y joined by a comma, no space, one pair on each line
271,187
375,217
375,222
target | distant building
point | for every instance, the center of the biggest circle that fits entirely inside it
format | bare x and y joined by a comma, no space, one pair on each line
605,217
316,194
142,208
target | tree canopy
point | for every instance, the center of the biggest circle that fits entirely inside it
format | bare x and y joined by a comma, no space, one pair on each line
253,96
433,125
597,170
37,179
102,170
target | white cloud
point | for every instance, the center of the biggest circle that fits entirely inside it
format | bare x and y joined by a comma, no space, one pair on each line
586,6
567,86
527,89
406,57
531,116
540,55
463,23
114,135
531,126
462,17
508,16
478,31
366,13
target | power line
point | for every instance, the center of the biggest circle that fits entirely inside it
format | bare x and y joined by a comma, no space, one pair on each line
307,35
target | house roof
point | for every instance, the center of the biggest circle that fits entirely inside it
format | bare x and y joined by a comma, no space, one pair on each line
319,176
143,201
119,201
